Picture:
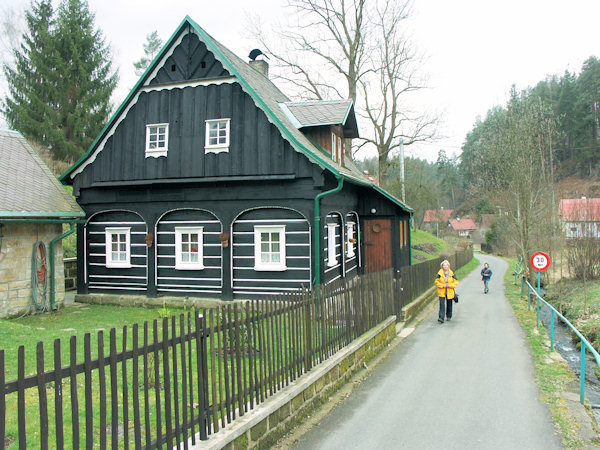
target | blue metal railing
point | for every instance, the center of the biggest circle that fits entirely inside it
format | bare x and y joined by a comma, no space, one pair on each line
584,342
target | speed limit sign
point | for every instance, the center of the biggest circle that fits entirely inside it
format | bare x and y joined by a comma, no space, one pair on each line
540,261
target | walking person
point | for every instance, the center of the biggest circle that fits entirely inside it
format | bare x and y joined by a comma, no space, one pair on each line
486,274
446,284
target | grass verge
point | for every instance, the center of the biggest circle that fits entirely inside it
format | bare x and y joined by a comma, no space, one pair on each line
553,378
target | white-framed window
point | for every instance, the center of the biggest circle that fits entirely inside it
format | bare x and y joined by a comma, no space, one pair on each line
217,136
335,147
188,248
340,149
269,247
350,239
331,256
157,140
118,246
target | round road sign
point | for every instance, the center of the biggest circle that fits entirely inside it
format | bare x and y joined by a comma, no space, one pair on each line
540,261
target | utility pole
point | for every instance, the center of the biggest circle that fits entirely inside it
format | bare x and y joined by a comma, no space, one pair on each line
402,169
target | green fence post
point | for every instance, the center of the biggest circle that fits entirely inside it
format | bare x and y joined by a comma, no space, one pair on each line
528,298
551,329
582,375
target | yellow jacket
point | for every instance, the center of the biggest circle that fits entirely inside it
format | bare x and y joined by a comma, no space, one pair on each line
440,280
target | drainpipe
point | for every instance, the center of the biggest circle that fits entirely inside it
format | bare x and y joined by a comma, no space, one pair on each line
318,227
52,281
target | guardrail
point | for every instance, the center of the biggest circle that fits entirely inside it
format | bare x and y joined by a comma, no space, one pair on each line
584,342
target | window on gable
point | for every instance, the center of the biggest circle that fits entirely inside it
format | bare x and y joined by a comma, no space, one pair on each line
118,247
157,140
331,256
188,248
217,136
337,148
269,248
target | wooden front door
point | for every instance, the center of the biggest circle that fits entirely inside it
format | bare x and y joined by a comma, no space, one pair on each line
378,244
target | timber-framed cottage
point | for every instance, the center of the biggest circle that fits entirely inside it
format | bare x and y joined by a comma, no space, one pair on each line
209,181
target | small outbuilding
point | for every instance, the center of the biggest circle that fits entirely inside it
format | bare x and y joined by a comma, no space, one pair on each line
33,208
580,217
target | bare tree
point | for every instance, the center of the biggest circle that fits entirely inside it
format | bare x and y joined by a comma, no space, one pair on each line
352,49
394,77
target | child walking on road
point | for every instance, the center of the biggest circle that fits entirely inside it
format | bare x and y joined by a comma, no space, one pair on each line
486,274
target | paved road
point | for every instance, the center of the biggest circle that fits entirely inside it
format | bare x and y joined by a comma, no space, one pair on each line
466,384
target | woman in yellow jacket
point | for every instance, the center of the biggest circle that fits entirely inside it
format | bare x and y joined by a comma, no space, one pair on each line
446,283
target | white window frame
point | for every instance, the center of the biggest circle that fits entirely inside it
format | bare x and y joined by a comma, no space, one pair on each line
118,263
259,264
349,236
340,149
217,147
159,150
331,256
335,154
180,264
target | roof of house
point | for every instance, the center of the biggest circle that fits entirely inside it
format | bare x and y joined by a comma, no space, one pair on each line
266,96
463,224
323,112
438,215
580,209
28,188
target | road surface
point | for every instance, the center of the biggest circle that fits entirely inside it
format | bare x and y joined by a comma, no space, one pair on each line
468,383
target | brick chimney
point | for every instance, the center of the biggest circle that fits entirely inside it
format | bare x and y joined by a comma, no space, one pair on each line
261,65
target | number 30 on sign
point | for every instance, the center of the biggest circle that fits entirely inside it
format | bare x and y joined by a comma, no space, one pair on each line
540,261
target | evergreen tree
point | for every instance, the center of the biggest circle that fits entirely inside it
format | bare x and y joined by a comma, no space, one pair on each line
61,81
151,47
31,79
86,82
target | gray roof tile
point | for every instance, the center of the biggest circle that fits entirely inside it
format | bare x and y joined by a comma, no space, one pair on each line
27,186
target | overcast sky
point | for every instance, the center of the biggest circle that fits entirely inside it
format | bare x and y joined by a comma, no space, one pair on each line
475,49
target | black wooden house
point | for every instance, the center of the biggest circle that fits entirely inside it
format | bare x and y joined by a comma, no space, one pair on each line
209,181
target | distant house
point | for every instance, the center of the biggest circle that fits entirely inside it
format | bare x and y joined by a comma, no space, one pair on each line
209,181
33,207
436,219
463,227
580,217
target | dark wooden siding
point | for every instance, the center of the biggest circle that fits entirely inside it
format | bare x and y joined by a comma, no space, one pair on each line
256,146
107,279
336,269
171,280
190,60
248,281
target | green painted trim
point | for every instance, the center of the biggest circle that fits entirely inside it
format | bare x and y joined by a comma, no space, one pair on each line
317,231
23,219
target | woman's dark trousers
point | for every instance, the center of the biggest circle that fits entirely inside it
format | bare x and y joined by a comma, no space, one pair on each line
445,308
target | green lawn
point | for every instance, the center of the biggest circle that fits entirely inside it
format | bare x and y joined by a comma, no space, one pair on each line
426,246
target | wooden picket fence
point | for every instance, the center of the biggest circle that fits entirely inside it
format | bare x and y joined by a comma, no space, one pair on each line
183,378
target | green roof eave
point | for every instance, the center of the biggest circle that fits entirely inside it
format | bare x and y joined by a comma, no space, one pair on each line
41,214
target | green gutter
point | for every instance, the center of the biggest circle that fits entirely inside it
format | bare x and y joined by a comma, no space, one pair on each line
318,227
52,281
52,244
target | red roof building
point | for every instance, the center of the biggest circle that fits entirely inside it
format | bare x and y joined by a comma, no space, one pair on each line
437,215
580,217
464,227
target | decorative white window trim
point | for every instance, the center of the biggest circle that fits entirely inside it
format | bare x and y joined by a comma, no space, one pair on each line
349,240
273,259
183,237
331,256
157,140
217,136
121,256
